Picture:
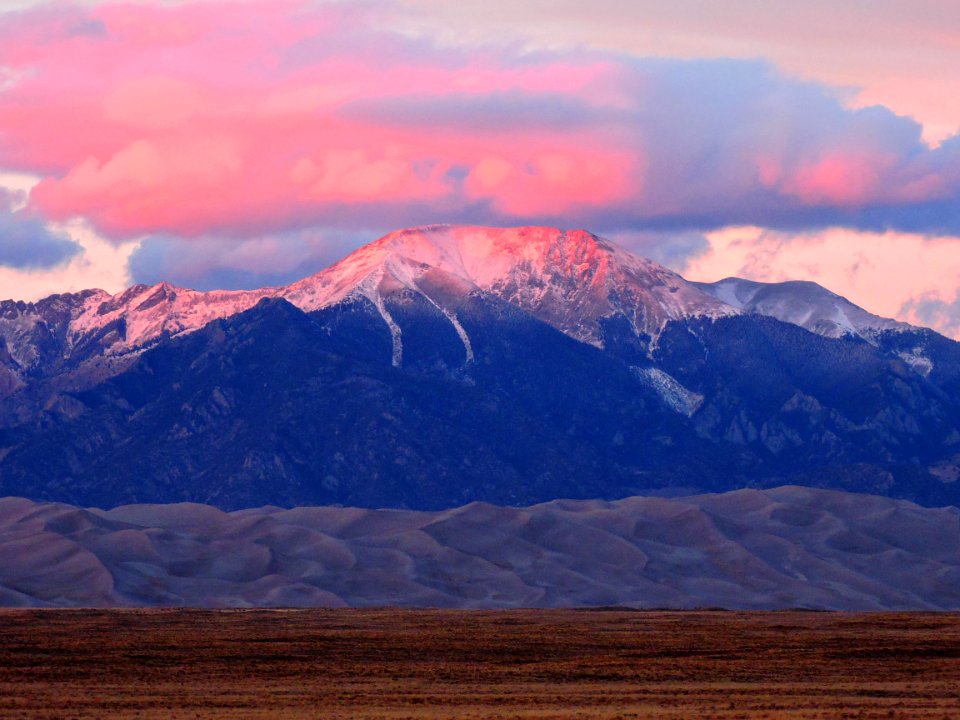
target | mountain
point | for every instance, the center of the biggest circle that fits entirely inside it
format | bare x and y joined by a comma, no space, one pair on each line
443,365
802,303
275,406
568,279
572,280
786,548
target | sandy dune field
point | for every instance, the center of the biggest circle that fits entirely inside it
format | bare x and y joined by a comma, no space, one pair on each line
776,549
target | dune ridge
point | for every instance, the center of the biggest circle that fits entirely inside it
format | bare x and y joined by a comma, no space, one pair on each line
787,547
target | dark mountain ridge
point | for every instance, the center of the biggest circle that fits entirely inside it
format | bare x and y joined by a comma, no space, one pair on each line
514,367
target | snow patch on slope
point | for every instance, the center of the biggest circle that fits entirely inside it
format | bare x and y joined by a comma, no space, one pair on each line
371,291
468,347
671,391
916,360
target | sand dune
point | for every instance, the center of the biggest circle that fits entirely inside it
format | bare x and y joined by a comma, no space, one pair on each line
781,548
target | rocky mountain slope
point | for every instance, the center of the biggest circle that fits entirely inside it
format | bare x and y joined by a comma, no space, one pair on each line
785,548
442,365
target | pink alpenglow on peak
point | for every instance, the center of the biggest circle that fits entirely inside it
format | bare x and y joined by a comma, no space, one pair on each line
569,279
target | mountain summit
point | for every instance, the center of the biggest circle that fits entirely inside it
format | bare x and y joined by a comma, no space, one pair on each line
568,279
572,280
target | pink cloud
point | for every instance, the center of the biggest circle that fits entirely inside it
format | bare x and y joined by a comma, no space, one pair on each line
242,118
551,180
840,177
214,116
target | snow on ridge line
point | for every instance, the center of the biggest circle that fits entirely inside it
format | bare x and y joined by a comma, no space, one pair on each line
569,279
803,303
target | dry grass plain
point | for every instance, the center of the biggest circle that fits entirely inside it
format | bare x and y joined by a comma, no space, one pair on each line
395,664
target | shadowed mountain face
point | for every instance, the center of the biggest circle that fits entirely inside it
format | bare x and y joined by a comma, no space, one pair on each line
440,366
782,548
275,406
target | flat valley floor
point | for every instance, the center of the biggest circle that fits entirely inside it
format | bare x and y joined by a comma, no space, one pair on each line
395,664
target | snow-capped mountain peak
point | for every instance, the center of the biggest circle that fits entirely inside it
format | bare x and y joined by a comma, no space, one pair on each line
569,279
150,311
802,303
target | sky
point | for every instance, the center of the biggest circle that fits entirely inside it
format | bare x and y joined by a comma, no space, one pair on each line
252,142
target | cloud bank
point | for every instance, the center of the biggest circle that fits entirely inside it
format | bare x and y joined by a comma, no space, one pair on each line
241,119
892,53
216,263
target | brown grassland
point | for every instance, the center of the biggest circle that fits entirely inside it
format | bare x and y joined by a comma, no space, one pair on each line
395,664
